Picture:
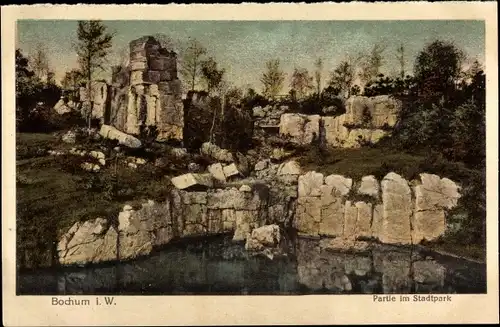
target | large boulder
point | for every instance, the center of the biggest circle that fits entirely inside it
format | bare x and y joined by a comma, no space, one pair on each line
192,180
92,241
112,133
301,129
396,210
266,240
433,196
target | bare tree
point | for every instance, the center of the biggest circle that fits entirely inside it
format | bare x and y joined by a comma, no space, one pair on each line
94,44
402,60
192,57
301,82
40,63
272,79
318,74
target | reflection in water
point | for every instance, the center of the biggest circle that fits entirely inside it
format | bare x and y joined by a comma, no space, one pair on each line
218,266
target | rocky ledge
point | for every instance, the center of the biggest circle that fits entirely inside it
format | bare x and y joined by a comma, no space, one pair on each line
344,212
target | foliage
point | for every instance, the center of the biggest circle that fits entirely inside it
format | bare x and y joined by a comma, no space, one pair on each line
191,63
342,78
301,83
211,74
437,68
34,98
371,63
92,48
272,79
384,85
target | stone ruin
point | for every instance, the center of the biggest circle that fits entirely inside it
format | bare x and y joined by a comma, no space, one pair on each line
147,92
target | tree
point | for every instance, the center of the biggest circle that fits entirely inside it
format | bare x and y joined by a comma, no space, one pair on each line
342,78
192,58
72,79
272,79
166,42
301,82
211,74
371,64
93,46
437,68
318,74
40,63
402,60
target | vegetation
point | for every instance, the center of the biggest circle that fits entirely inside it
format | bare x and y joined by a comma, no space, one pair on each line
94,44
272,79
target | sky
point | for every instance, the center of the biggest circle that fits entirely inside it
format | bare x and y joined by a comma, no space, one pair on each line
243,47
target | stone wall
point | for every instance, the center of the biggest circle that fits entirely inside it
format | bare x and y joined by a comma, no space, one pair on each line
367,120
99,97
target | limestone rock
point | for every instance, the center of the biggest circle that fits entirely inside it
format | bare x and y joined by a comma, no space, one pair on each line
432,197
291,167
92,241
231,170
217,171
335,133
259,112
112,133
261,165
245,188
332,212
340,183
265,240
97,155
62,107
243,226
364,220
310,184
189,180
308,215
301,129
369,186
396,210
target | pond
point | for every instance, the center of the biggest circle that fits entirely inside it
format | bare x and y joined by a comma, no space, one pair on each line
217,266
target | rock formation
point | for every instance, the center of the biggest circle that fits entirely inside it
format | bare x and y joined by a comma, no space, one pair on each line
315,205
367,120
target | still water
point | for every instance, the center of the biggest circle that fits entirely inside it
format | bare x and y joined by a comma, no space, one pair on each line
218,266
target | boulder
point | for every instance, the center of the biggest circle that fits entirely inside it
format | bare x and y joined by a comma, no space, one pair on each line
92,241
396,210
231,170
433,196
261,165
340,183
191,179
369,186
291,167
245,188
97,155
259,112
301,129
112,133
217,171
61,107
310,184
266,240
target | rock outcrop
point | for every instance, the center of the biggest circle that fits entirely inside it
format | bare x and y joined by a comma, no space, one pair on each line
350,212
300,129
109,132
367,120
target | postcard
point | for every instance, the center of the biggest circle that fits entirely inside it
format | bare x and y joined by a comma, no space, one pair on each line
250,164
